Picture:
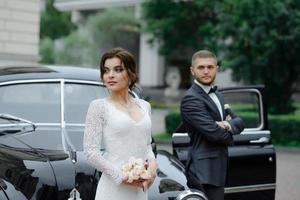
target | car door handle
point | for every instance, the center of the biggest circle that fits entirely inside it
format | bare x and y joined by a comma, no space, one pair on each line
260,140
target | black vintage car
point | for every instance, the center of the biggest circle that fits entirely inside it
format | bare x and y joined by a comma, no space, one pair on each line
42,115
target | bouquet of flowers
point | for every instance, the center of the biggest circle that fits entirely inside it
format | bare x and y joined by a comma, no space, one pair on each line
136,169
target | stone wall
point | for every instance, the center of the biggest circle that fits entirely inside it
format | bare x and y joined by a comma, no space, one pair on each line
19,30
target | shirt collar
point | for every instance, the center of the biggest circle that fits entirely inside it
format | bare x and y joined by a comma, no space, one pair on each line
206,88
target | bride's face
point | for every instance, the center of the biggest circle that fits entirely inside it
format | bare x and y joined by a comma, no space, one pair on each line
115,75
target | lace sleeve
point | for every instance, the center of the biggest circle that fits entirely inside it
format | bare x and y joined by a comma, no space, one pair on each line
149,154
95,120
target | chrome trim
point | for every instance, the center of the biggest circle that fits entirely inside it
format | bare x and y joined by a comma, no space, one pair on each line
84,81
74,195
48,124
37,124
262,140
260,105
250,188
62,83
75,125
51,80
30,81
19,119
246,132
62,103
190,192
257,130
15,125
243,133
180,135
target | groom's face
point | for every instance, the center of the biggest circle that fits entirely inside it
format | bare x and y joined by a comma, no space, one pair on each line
204,70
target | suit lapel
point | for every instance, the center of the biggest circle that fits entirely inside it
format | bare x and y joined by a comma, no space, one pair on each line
211,103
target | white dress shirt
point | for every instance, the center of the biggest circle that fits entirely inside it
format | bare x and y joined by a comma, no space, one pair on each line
212,95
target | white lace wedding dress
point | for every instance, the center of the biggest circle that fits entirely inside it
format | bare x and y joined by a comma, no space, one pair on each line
121,137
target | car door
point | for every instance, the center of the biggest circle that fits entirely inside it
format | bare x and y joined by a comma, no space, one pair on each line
252,158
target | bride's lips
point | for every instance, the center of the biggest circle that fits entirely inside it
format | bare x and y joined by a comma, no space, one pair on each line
112,82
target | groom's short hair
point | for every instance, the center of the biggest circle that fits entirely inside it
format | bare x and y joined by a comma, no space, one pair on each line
204,54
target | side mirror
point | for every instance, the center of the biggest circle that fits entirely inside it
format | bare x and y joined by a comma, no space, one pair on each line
180,143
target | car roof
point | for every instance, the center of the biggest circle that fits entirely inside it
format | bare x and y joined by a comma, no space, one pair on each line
11,71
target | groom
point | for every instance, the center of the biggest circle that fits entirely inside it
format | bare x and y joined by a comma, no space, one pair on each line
210,127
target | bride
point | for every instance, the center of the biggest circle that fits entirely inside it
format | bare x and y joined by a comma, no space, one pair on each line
121,125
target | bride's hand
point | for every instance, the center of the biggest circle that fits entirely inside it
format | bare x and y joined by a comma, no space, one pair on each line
135,183
148,182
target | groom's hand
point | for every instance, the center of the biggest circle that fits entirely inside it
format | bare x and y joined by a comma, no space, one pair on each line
228,118
224,124
220,124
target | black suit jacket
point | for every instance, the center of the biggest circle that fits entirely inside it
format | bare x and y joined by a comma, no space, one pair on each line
208,151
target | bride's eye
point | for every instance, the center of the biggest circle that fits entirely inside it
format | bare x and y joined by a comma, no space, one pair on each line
105,70
119,69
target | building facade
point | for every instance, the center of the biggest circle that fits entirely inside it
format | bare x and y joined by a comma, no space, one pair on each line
19,30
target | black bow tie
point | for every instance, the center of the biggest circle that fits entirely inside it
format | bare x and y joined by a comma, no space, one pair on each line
213,89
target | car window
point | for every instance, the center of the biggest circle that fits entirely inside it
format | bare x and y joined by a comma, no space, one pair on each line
77,100
246,104
37,102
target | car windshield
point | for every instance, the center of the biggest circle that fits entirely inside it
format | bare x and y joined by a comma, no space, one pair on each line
40,102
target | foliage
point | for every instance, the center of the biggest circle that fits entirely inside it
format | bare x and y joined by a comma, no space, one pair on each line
46,51
260,46
172,120
106,29
77,49
180,28
164,105
179,25
257,39
54,24
162,137
285,129
114,27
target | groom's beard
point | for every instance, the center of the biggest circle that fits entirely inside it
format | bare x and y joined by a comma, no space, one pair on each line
206,83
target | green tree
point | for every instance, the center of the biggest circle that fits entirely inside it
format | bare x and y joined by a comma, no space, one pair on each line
47,51
114,27
180,28
103,30
257,39
261,45
54,24
77,49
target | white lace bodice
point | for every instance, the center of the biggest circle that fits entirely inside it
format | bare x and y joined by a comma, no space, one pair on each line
118,135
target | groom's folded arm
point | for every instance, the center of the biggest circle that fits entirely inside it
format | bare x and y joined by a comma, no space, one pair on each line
195,114
237,123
